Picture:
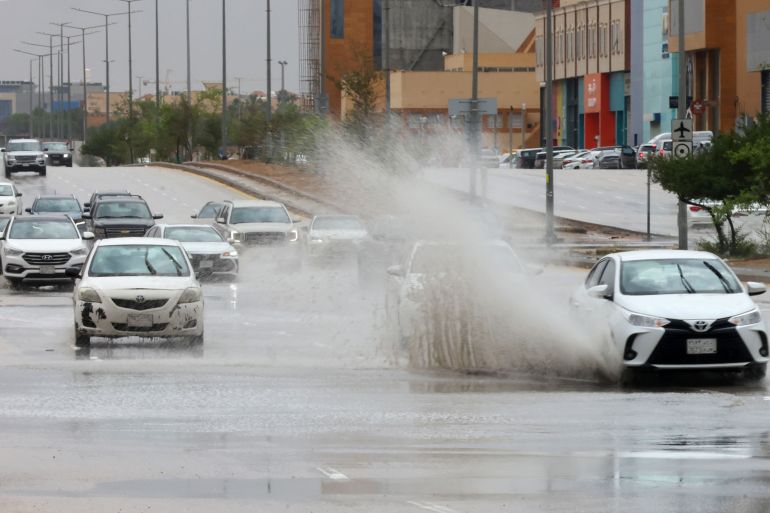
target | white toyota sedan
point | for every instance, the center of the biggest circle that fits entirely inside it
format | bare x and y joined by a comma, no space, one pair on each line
669,309
140,287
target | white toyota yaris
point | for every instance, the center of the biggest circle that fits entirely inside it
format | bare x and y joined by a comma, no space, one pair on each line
140,287
668,309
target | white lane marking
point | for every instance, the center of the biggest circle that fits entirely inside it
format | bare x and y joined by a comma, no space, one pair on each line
437,508
333,473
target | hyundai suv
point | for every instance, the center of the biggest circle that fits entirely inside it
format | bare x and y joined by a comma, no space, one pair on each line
127,216
24,155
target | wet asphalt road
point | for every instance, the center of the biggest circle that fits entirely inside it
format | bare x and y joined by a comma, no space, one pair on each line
295,403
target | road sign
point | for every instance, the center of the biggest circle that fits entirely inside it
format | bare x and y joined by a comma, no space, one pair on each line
460,106
681,130
682,149
697,107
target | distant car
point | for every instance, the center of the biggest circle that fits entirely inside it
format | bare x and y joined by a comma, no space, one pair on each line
10,199
559,157
257,222
489,158
665,148
208,213
137,287
626,153
209,253
645,153
608,159
697,137
540,157
24,155
59,205
58,154
40,249
526,157
334,236
584,160
675,310
119,216
96,196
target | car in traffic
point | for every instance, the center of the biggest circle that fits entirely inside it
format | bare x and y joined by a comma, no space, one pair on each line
137,287
334,236
698,137
208,212
210,254
40,248
10,199
256,223
120,216
96,196
665,148
59,205
645,153
584,160
58,153
675,310
24,155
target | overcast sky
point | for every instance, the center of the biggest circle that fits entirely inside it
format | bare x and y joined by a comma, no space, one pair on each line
246,41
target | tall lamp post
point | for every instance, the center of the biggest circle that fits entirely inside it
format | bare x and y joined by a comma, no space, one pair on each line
550,236
85,85
50,77
130,81
60,114
31,86
189,82
681,218
41,77
268,135
224,79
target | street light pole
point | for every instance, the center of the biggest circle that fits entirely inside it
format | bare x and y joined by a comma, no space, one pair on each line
240,99
224,79
550,236
157,65
50,88
268,135
682,113
40,80
130,82
189,83
85,85
475,125
386,54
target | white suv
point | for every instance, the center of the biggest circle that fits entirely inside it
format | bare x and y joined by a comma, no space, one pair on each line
41,248
256,222
24,155
10,199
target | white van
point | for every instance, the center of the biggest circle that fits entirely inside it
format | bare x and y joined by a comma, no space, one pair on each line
700,136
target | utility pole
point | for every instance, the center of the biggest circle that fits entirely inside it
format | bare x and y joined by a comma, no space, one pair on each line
386,54
682,113
268,135
523,125
510,137
475,125
50,53
85,85
157,66
240,100
139,79
130,82
322,103
550,236
189,83
60,115
69,88
41,84
224,80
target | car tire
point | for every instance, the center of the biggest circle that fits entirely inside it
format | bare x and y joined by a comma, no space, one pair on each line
81,339
42,172
14,283
755,372
7,173
196,340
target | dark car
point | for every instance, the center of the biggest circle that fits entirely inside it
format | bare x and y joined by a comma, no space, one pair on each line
608,159
627,156
58,154
121,216
539,162
59,205
95,197
527,157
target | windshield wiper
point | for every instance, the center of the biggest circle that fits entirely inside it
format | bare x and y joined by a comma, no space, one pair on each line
689,288
150,267
722,280
176,264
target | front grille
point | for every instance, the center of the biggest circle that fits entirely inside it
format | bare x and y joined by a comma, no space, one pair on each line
134,329
265,237
26,158
220,264
132,304
46,258
124,231
672,347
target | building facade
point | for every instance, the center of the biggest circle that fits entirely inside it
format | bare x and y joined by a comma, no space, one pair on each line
753,59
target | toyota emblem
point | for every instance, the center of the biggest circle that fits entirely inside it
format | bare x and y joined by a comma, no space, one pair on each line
701,326
140,299
47,258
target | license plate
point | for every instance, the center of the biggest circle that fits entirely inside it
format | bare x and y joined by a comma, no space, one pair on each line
701,346
25,165
47,269
206,264
139,321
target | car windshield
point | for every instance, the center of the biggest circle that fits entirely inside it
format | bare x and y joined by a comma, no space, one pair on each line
193,234
23,146
4,223
57,147
446,258
56,205
210,211
676,276
259,215
43,229
138,260
337,223
122,210
6,190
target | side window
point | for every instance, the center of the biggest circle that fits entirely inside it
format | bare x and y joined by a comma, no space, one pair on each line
608,276
593,277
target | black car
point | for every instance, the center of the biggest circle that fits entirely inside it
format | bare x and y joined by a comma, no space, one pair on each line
59,205
58,154
608,159
527,157
627,156
104,194
121,216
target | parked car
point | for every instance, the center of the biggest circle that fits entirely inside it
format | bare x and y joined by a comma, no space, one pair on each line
674,310
40,249
584,160
627,155
59,205
609,159
10,199
256,222
210,254
334,236
526,159
24,155
137,287
541,155
698,136
58,153
489,158
120,216
645,153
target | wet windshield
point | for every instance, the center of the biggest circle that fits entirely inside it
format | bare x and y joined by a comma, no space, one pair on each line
337,223
57,205
57,147
6,190
259,215
210,211
122,209
24,146
43,229
137,260
190,234
676,276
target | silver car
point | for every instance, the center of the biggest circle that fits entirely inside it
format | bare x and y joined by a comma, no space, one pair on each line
209,253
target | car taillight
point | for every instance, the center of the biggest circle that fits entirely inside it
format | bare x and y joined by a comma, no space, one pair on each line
641,154
585,161
695,208
661,153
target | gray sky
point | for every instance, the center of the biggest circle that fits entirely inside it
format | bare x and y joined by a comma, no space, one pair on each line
246,41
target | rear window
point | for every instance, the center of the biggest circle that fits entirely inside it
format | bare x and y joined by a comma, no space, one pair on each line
668,145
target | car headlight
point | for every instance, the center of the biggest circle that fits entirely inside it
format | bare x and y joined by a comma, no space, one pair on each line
236,236
230,254
9,251
89,295
66,155
646,321
190,295
752,317
79,252
45,155
317,240
293,236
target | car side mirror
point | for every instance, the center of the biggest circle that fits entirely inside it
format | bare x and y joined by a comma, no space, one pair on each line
18,195
599,291
194,215
87,204
87,215
157,216
73,272
45,148
221,220
755,288
28,210
88,236
397,270
2,150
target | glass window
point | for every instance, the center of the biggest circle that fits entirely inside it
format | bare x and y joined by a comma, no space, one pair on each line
677,276
24,146
337,19
210,211
596,273
122,210
193,234
138,260
259,215
43,229
57,205
57,147
7,190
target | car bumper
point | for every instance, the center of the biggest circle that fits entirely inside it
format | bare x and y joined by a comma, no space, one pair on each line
667,348
26,166
213,265
18,268
59,161
107,320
